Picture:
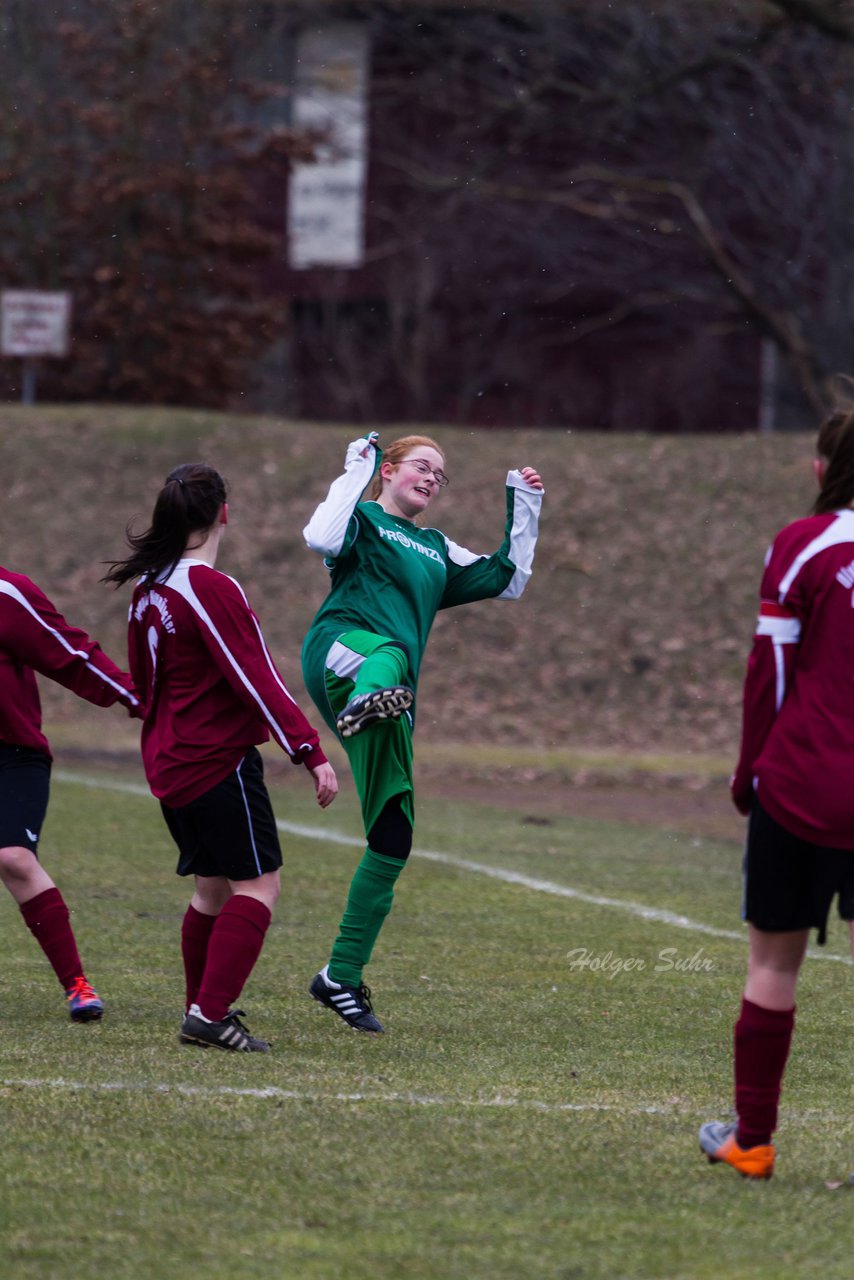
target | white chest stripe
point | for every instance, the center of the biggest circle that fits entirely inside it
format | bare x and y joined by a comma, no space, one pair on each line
842,530
180,582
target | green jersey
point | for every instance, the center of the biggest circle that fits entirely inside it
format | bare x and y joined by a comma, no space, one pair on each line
390,577
388,580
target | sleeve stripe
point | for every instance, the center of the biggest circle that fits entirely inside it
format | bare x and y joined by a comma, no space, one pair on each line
6,588
780,671
785,630
182,585
461,555
523,536
326,531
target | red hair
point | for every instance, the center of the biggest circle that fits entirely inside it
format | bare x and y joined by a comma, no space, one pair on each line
397,451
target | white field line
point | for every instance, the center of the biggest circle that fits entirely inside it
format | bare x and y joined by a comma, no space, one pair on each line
656,915
406,1099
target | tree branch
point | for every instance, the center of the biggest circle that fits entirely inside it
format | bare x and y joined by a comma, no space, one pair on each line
780,326
824,17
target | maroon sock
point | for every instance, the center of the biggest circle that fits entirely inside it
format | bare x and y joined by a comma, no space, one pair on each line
195,935
46,917
235,944
762,1040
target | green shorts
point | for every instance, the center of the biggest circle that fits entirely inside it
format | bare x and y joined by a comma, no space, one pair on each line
380,756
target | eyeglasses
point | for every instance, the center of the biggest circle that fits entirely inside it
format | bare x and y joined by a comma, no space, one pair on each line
424,469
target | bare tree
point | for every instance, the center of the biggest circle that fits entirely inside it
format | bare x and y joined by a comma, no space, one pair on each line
569,176
561,193
132,172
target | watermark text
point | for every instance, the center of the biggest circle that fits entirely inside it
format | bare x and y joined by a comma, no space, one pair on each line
668,960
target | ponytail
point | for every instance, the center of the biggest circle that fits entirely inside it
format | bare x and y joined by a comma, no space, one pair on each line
836,444
189,503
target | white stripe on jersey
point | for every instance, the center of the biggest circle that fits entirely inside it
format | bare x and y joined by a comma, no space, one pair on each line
460,555
6,588
781,630
182,586
523,533
326,531
263,643
780,669
842,530
343,661
248,816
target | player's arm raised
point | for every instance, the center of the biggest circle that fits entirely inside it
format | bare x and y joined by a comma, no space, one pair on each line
326,531
505,573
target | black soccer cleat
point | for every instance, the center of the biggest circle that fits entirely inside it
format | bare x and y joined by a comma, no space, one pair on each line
353,1004
230,1033
380,704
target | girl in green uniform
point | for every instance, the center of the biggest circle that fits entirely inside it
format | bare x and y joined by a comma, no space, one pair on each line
362,654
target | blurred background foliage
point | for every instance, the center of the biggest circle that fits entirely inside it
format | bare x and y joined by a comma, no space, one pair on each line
623,215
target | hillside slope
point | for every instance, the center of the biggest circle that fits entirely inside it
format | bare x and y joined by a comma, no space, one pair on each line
631,638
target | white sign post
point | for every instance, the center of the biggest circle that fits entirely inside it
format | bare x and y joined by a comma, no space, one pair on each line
326,198
33,323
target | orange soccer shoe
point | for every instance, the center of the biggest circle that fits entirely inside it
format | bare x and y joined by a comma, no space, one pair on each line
84,1003
718,1142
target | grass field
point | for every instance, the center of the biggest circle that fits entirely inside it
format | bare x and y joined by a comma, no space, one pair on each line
530,1114
563,965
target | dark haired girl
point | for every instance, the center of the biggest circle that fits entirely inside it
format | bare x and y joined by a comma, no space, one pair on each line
213,694
793,779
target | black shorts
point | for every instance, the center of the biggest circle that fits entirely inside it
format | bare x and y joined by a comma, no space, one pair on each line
790,883
24,789
229,831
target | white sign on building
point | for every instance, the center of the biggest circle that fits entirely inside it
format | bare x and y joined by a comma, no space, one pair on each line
326,199
34,322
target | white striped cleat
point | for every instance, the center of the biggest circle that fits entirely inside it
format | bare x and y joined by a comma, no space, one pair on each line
230,1033
353,1004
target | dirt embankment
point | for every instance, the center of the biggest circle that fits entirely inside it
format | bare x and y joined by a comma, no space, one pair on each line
630,640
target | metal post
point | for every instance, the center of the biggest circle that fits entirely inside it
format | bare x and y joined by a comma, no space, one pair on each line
28,382
767,386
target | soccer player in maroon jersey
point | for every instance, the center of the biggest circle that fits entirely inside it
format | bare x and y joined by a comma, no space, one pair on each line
793,779
212,695
34,637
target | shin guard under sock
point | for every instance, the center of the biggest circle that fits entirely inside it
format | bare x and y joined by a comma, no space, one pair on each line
46,917
234,946
762,1041
368,904
196,931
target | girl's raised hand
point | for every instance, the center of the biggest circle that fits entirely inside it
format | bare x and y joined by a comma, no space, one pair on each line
531,477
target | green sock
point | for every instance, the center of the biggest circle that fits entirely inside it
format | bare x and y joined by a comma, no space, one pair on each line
368,904
386,666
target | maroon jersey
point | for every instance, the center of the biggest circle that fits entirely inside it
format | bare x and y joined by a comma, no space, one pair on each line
34,637
797,749
210,686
